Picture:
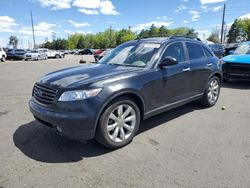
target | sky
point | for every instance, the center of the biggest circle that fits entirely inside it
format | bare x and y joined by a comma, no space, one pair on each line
64,17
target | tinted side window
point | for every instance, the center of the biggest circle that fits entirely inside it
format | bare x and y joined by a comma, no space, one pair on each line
176,51
208,53
195,51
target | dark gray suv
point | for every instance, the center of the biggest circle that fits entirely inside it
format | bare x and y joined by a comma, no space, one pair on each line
137,80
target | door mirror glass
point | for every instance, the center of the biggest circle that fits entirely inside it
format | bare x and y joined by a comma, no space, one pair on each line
168,61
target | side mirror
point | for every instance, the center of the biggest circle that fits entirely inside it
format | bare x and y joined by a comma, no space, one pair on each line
231,52
168,61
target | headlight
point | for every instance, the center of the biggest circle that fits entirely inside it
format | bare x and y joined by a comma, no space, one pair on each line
79,94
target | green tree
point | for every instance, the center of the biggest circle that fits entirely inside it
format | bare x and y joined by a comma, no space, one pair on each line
239,31
143,33
73,40
183,31
153,31
124,35
214,37
163,32
58,44
13,41
234,32
80,42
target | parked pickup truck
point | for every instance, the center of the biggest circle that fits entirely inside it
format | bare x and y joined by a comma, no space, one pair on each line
237,65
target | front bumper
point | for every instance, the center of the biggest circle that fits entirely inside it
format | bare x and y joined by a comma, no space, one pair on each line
74,125
30,58
15,57
236,71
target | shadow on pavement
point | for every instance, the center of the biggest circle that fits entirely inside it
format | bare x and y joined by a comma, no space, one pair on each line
42,144
234,84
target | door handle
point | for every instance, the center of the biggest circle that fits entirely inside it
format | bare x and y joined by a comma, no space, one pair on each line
209,64
186,69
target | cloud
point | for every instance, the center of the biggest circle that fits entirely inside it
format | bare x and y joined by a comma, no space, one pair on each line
180,8
195,15
56,4
7,24
77,24
78,32
106,7
211,1
42,29
89,4
148,24
163,18
203,34
185,21
215,9
88,11
96,7
246,16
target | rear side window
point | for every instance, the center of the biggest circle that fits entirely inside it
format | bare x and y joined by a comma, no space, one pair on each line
195,51
176,51
208,53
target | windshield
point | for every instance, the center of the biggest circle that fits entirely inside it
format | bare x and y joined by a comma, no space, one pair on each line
34,51
131,54
243,49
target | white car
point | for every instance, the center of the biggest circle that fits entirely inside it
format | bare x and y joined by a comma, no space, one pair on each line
2,55
35,55
52,54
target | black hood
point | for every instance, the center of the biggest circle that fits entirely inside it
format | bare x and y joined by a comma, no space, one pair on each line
87,74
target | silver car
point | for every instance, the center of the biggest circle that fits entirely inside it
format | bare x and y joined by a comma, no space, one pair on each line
35,55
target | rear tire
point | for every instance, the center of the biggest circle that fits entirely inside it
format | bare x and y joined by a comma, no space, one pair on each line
57,56
118,123
212,92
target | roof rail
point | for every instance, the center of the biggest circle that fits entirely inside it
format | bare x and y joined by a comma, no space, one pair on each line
184,36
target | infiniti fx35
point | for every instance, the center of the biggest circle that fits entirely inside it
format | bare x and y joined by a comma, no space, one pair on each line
138,79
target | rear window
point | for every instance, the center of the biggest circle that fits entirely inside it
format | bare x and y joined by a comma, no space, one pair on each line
195,51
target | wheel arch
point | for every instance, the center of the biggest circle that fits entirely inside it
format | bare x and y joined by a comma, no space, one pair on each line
218,74
129,94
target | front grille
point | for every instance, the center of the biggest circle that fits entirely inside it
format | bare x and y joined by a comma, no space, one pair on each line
44,94
237,67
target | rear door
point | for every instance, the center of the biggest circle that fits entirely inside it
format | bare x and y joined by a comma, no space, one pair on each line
200,67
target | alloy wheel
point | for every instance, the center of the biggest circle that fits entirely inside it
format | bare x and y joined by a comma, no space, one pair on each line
213,91
121,123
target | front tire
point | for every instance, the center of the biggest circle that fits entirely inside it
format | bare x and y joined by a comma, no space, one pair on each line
118,123
212,92
3,58
57,56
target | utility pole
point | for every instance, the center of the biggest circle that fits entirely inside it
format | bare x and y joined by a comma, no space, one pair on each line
222,24
32,24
